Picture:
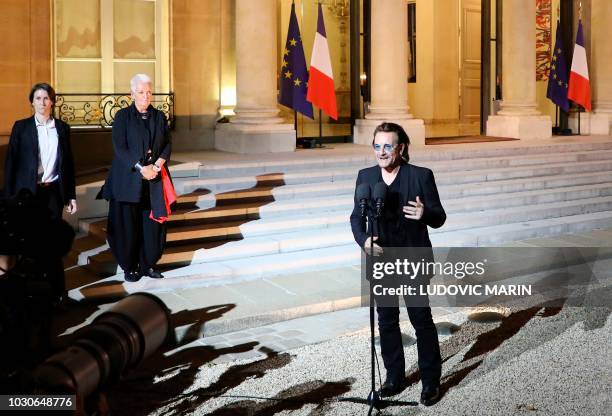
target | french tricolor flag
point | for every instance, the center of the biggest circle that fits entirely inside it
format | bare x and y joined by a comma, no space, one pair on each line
321,91
579,86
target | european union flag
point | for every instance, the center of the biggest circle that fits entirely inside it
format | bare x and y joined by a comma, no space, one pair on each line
293,74
557,78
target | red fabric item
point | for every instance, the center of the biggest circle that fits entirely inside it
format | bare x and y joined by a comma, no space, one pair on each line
321,92
579,90
169,196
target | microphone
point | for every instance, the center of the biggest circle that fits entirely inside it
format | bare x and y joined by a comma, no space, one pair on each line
379,194
363,195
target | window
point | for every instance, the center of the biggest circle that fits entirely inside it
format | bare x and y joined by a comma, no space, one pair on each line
101,44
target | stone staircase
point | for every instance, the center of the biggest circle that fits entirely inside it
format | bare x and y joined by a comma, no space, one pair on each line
247,220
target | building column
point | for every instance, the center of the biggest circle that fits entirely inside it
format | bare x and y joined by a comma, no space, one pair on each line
256,128
389,77
601,62
518,117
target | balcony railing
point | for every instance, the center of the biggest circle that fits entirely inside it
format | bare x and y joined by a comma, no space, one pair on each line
98,110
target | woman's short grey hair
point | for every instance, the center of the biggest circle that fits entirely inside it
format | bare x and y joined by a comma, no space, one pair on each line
139,79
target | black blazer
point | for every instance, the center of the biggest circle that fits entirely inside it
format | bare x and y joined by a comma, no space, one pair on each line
21,167
415,181
124,181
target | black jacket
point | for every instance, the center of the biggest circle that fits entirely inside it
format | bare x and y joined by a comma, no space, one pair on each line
124,181
415,181
21,167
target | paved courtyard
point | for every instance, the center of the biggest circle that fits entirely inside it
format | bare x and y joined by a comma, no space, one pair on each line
533,359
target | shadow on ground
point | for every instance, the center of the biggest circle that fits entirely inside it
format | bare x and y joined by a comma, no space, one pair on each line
487,337
224,202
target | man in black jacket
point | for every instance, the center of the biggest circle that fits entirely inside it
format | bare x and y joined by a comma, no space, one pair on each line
39,156
133,188
411,205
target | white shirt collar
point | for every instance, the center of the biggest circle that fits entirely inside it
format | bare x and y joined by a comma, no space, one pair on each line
50,122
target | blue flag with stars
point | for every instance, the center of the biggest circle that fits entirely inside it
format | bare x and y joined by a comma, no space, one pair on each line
557,78
293,76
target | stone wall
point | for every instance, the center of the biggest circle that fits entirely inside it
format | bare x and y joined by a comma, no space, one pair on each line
25,56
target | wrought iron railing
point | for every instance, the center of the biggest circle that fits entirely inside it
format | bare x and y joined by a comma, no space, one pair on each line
98,110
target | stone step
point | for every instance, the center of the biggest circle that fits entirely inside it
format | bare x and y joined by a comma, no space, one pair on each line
519,214
290,207
214,251
483,182
499,234
219,273
358,156
523,184
320,259
292,198
243,221
510,192
527,199
514,161
265,238
454,203
83,247
292,175
454,174
454,197
295,217
234,230
531,172
218,184
430,154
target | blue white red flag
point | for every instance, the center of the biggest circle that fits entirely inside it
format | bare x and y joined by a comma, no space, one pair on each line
579,85
321,90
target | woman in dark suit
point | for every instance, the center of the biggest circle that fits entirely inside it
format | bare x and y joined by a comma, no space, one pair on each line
39,156
133,188
39,159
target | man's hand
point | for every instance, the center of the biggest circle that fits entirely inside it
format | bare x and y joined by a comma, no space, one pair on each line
148,172
414,210
377,250
71,208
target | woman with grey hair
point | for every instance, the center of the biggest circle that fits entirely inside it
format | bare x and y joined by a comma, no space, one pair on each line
137,209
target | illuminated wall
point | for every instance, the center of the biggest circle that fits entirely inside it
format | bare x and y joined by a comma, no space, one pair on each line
25,56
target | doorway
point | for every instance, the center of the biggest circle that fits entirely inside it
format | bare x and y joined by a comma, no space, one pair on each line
470,61
453,33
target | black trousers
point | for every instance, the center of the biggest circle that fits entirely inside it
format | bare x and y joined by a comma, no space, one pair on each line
49,195
428,348
136,241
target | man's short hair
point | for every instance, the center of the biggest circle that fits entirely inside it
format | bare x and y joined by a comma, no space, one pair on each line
42,86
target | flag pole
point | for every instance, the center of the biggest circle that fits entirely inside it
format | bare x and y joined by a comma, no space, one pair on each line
320,125
557,116
579,106
295,126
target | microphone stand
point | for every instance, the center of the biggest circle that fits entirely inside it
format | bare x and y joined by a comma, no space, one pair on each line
374,397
